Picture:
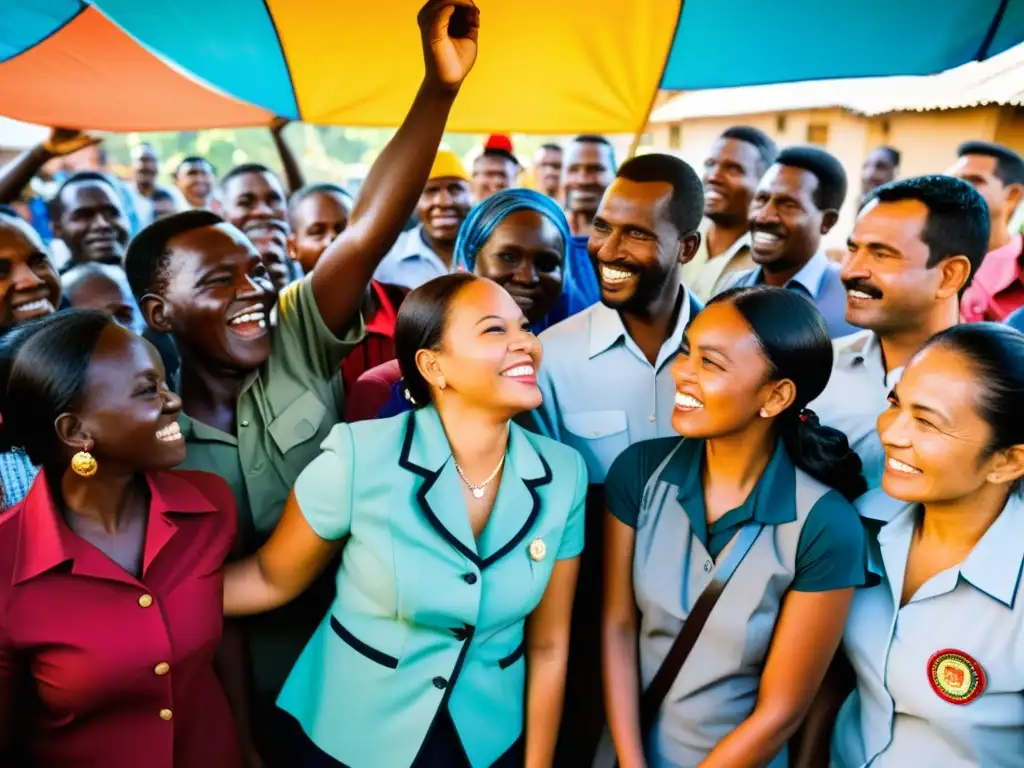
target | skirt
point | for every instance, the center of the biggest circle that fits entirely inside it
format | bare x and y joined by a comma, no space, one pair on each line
442,749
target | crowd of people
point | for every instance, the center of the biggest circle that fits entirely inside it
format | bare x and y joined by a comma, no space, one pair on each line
617,467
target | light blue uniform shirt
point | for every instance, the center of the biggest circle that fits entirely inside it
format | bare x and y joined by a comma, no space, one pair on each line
601,394
410,262
818,280
896,718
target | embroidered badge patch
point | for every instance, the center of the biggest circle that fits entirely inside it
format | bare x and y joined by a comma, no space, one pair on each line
955,676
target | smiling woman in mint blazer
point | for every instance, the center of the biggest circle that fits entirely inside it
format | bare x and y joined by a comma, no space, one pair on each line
448,640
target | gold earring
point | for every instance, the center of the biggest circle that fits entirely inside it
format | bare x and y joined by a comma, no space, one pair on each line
84,464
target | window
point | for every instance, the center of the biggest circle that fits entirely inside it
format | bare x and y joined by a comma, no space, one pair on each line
675,136
817,133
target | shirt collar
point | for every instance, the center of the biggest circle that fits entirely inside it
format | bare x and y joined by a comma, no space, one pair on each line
606,327
995,564
812,275
382,321
732,250
1002,267
414,246
772,502
46,541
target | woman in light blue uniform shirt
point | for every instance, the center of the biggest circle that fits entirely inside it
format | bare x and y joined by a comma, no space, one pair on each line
938,645
752,467
448,640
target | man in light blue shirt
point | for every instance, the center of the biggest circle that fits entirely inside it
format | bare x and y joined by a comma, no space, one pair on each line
797,202
606,379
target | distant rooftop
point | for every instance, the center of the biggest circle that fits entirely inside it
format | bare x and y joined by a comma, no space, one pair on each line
999,80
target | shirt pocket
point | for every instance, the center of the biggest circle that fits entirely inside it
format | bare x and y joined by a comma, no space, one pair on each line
298,423
600,436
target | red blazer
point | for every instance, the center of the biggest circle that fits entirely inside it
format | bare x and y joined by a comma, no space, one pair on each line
103,670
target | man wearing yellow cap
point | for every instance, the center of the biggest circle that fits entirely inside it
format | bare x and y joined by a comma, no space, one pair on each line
425,252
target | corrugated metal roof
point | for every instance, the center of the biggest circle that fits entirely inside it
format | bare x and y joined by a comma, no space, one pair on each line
1000,80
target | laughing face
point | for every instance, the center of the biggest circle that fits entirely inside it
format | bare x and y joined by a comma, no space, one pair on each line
635,248
216,300
255,203
442,208
92,222
889,286
935,440
786,224
731,173
721,375
29,287
127,412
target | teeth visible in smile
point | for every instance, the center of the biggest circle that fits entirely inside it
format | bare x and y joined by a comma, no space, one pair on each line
613,275
765,239
170,433
859,295
259,317
519,370
34,306
899,466
688,401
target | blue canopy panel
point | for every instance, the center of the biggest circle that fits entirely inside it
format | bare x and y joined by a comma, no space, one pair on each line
24,25
731,43
233,46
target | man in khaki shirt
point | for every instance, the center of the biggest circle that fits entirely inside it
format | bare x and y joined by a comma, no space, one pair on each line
732,170
260,396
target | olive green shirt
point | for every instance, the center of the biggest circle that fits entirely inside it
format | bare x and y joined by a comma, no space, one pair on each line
285,410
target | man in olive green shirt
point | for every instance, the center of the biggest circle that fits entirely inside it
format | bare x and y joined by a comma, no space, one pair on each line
259,395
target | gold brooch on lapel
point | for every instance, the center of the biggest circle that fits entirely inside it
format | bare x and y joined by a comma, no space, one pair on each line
538,549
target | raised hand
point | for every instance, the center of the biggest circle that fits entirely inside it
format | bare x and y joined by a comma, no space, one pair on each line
65,141
449,29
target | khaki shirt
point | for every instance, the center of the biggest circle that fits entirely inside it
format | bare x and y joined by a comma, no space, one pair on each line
285,410
706,276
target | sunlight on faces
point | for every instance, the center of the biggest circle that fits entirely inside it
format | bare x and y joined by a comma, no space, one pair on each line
589,170
730,180
29,286
889,286
92,223
488,356
722,377
936,442
316,222
195,181
980,172
216,299
785,223
442,207
524,256
126,410
634,246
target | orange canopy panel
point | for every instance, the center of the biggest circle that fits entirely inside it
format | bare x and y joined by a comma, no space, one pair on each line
90,74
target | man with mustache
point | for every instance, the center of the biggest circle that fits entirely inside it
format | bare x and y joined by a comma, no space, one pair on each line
913,249
998,174
425,251
254,200
732,169
606,377
796,203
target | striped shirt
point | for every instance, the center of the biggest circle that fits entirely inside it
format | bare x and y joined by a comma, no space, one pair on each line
16,474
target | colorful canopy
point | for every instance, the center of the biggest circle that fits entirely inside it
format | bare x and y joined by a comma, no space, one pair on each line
546,66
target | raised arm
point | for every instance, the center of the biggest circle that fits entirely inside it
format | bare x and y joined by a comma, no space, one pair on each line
284,567
388,196
294,180
807,635
19,172
619,635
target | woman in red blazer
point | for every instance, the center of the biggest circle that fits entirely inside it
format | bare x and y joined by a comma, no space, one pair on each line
110,568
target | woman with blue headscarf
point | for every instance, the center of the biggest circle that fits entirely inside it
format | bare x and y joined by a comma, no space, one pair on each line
520,239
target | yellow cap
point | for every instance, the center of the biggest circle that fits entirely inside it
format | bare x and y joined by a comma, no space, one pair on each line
448,166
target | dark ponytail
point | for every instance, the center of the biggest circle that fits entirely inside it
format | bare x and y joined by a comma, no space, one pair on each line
420,325
794,338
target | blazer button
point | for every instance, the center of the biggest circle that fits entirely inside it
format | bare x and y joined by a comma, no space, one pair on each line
469,578
166,714
145,601
440,683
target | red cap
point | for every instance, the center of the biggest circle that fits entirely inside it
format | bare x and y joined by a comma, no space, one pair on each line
500,142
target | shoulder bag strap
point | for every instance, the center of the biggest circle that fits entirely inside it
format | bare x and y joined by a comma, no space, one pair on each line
652,698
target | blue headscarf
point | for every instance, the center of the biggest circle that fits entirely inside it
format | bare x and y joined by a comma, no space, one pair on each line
484,218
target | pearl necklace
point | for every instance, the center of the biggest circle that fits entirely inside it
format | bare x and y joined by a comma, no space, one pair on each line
478,490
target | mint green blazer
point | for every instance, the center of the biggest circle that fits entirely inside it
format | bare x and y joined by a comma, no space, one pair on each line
426,616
